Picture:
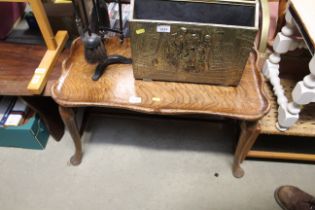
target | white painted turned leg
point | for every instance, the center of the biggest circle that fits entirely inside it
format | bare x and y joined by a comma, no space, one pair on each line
288,114
282,44
302,94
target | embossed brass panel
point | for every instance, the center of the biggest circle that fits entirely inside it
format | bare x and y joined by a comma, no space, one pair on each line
190,52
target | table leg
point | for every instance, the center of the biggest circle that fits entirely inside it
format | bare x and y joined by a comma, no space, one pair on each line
302,94
248,136
284,41
282,44
68,117
50,115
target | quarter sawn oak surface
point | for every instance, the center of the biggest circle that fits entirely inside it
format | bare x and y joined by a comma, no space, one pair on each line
117,88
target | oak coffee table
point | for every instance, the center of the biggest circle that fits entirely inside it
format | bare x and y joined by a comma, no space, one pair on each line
117,88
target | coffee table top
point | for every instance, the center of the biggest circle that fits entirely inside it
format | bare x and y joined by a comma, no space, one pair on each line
117,88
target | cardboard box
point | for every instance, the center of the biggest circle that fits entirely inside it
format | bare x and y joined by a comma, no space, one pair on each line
32,135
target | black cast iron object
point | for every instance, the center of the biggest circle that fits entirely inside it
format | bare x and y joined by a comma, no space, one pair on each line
92,36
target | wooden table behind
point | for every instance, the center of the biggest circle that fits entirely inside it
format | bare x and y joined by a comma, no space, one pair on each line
17,65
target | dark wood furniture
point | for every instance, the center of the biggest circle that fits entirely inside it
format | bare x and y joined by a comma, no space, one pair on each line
117,88
17,65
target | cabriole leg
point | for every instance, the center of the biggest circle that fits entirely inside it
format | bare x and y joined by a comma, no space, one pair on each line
288,113
68,117
248,136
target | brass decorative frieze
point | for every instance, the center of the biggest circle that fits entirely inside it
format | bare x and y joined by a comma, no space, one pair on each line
187,52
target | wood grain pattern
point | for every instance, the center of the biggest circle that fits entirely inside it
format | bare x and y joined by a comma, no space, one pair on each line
117,88
17,64
39,81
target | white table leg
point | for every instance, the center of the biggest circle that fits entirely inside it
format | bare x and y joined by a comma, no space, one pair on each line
282,44
288,114
302,94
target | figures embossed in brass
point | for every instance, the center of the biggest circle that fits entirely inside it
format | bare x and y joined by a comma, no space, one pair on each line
190,52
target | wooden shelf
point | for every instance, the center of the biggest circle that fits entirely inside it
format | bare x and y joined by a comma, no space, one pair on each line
17,65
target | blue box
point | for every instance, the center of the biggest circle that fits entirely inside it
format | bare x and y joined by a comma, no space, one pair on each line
32,135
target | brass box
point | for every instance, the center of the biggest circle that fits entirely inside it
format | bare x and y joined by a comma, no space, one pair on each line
198,41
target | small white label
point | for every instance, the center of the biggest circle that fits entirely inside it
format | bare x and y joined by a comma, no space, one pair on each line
163,29
36,78
134,100
13,120
40,71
